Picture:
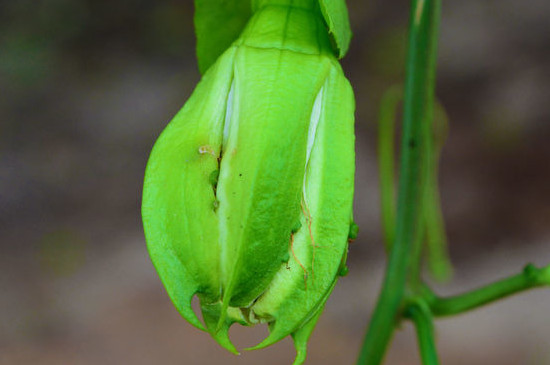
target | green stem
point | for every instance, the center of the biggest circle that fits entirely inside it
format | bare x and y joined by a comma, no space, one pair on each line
420,314
530,277
418,88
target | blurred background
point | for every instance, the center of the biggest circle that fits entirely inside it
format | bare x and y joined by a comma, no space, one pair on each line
87,86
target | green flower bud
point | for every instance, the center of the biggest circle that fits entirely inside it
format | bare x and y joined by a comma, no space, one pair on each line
247,199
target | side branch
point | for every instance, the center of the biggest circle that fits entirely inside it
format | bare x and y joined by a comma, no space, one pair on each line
530,277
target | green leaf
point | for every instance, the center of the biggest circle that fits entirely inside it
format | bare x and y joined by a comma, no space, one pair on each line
335,13
218,23
177,187
317,250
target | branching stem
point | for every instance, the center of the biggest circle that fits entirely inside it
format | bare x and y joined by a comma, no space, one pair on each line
403,294
421,316
419,85
530,277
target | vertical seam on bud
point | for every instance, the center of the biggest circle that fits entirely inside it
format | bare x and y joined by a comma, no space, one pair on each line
311,133
228,114
229,124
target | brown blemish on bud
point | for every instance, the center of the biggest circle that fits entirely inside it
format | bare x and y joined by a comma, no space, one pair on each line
207,149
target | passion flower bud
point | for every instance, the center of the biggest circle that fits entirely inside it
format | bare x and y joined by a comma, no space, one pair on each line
247,199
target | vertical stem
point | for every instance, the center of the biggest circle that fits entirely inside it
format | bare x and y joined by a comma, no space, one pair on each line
419,85
423,323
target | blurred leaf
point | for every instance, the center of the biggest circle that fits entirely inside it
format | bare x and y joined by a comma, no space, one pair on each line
217,24
391,99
